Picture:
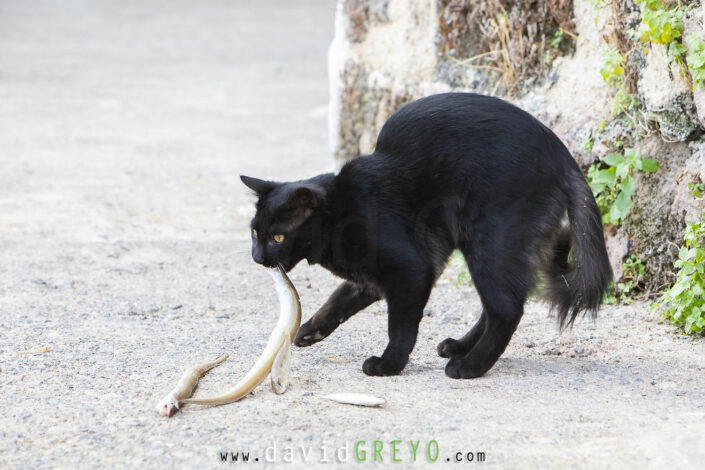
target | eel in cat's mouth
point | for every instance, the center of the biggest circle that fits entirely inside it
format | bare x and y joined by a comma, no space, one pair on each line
274,358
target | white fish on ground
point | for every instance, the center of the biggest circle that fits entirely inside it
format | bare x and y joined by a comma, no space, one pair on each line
359,399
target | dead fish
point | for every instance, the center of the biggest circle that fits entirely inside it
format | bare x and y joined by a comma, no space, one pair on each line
171,403
359,399
277,348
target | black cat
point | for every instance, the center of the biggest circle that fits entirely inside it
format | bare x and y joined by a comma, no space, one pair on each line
455,170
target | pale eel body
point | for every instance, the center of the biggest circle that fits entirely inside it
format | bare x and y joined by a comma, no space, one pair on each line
280,368
171,403
359,399
277,347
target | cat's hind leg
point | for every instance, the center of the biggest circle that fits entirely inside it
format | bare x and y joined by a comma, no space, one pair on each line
348,299
502,271
450,347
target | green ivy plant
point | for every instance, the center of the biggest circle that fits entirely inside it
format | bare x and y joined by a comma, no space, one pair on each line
684,301
696,60
624,102
612,72
633,277
557,38
612,182
588,143
612,69
696,189
662,25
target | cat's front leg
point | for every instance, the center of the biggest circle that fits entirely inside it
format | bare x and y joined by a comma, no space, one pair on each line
405,303
348,299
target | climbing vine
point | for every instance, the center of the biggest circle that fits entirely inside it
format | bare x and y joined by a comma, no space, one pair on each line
683,303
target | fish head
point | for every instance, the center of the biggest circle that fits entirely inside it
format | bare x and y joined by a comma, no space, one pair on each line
167,407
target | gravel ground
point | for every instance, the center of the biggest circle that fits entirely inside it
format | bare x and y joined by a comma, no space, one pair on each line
124,247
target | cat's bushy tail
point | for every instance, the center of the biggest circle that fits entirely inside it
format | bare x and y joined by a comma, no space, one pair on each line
576,267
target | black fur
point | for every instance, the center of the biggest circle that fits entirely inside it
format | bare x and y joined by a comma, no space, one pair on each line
456,170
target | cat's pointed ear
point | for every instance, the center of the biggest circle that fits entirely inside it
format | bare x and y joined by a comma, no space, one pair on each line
257,185
303,201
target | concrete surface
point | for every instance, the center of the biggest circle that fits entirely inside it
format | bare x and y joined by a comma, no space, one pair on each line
124,247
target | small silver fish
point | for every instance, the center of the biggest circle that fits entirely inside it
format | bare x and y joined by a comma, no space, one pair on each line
359,399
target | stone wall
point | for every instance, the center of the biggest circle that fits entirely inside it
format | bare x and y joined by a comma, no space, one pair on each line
547,60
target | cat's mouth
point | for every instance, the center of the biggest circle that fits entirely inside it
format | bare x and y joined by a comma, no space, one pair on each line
286,267
273,264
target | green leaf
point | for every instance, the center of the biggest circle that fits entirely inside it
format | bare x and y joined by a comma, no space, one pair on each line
622,171
620,208
607,177
628,187
596,188
683,253
614,159
649,165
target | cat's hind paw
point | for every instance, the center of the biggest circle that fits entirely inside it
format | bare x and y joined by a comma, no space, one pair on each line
463,368
376,366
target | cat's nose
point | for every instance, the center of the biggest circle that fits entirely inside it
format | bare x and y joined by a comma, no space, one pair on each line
258,256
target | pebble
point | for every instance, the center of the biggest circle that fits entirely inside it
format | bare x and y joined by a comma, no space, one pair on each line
549,351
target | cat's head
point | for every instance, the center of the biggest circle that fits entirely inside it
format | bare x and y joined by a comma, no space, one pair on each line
283,229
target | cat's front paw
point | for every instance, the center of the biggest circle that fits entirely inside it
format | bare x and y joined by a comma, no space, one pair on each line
309,334
376,366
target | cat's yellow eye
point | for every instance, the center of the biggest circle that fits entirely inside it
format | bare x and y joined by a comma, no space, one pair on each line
254,233
278,238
